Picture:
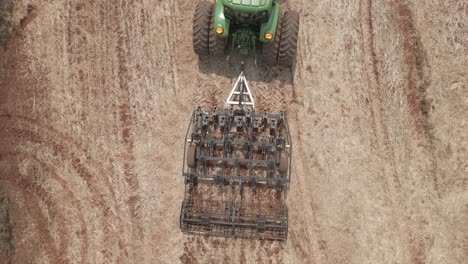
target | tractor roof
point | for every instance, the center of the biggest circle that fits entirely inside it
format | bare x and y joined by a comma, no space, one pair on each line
248,5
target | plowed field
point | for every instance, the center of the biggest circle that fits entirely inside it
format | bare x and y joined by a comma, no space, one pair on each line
96,96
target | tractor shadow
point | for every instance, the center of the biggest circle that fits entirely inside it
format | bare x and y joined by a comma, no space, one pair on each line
231,68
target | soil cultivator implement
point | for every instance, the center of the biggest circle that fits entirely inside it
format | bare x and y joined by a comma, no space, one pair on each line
237,170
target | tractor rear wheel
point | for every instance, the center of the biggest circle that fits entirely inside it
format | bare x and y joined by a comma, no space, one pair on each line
288,43
201,28
269,55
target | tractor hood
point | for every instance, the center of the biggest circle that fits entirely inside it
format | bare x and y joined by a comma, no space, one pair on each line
248,6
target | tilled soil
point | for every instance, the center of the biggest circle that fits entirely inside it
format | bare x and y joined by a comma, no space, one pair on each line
95,100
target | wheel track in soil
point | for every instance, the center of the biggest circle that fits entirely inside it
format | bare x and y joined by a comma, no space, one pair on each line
380,129
14,178
33,208
123,115
375,97
84,174
415,61
50,205
75,202
384,147
42,195
80,169
76,146
60,137
126,120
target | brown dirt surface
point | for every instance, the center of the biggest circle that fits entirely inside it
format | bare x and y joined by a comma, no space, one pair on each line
96,96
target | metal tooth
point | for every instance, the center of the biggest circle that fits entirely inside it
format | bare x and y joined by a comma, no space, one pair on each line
219,176
255,126
279,185
280,122
206,122
239,124
195,136
282,116
253,181
264,120
202,161
247,148
264,147
215,114
198,111
237,165
190,179
199,122
222,124
212,145
273,127
271,165
248,117
227,145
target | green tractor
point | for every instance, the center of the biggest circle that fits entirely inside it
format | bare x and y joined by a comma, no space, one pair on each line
244,26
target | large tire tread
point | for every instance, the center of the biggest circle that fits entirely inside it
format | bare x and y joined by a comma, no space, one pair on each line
289,35
201,27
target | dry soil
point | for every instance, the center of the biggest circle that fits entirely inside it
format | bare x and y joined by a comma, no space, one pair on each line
96,96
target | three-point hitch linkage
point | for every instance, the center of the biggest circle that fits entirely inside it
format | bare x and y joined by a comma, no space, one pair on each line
237,170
